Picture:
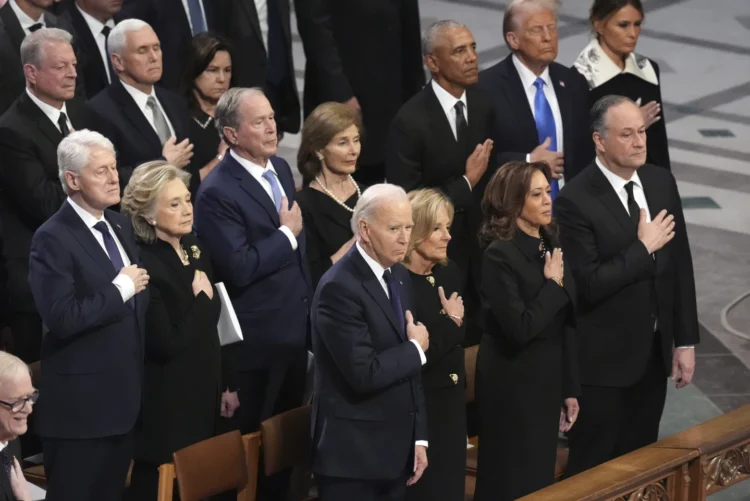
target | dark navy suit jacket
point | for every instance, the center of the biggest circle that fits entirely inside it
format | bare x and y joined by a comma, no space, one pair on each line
369,406
92,356
269,283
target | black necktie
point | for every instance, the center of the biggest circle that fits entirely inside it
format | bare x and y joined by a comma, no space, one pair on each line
461,124
393,291
112,250
633,208
7,460
62,122
36,26
105,31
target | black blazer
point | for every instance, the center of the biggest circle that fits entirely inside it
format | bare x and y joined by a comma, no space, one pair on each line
422,152
616,278
368,392
94,347
369,49
118,118
30,189
517,135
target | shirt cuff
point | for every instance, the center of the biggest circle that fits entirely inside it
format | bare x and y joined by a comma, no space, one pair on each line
423,443
422,356
468,182
126,286
687,347
528,158
292,239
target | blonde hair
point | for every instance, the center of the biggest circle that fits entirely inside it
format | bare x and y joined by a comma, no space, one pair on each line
139,197
425,208
11,367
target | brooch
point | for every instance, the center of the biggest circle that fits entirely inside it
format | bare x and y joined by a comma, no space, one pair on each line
431,279
454,378
196,251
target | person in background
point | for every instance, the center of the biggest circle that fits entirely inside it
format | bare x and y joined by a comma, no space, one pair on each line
527,374
208,75
611,67
327,158
436,286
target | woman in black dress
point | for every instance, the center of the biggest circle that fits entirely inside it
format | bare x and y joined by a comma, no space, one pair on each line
327,157
611,67
187,375
207,76
527,375
436,283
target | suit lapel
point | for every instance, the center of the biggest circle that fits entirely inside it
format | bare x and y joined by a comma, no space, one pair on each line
134,115
372,285
253,188
249,7
516,96
606,194
566,109
655,203
442,132
12,27
88,43
84,237
42,121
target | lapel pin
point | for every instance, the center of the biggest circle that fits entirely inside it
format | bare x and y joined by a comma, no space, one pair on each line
562,84
454,378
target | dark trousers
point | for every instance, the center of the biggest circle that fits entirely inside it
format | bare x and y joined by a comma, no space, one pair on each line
615,421
370,174
87,470
352,489
26,332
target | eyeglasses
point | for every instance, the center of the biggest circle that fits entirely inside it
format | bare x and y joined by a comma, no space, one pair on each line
21,403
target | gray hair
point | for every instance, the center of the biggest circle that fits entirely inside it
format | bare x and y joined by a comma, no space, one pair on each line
371,199
227,113
431,35
12,367
33,45
510,19
119,34
74,151
599,112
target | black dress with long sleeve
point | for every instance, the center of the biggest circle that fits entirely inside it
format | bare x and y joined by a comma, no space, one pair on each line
205,139
526,367
444,383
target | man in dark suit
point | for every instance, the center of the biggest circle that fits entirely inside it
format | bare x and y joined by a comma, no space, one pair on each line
247,218
143,121
541,106
366,54
369,423
623,233
433,144
175,22
93,21
86,280
30,190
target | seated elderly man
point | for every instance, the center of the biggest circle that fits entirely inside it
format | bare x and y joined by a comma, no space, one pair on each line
369,431
17,398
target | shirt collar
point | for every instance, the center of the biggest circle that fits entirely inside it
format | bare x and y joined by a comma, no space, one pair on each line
141,98
23,18
3,445
51,112
88,219
254,169
616,181
597,67
446,99
94,24
527,76
376,268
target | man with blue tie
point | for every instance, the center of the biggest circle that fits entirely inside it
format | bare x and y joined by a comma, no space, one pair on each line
541,106
88,286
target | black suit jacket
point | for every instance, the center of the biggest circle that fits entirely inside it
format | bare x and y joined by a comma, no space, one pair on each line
517,134
94,347
118,118
170,22
368,391
368,49
422,152
30,189
616,278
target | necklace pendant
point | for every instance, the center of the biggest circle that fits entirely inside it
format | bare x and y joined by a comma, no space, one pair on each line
431,279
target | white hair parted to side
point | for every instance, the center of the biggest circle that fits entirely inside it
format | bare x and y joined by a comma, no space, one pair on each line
371,199
12,368
227,112
33,44
510,20
118,35
432,34
73,152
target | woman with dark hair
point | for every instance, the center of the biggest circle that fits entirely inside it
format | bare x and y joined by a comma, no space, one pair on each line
527,375
207,76
611,67
327,157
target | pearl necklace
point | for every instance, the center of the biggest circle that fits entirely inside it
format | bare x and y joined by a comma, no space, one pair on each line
328,192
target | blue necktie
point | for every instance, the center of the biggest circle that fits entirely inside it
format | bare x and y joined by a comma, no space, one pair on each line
393,291
545,124
112,250
269,176
196,16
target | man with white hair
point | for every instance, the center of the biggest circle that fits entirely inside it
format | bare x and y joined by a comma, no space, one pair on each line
369,423
88,285
30,131
541,106
143,121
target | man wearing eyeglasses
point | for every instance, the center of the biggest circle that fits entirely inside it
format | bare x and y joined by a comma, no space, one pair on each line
17,399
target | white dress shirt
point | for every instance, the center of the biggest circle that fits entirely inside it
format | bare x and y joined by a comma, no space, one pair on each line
141,100
190,21
52,113
618,184
378,270
24,19
261,7
257,171
123,282
527,80
448,103
96,28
